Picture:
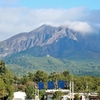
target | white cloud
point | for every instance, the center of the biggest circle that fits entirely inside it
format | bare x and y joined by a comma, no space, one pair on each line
81,27
15,20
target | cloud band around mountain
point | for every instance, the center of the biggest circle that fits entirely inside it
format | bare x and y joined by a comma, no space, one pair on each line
15,20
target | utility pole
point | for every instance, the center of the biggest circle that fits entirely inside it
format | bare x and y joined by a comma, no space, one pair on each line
73,90
87,89
35,92
70,89
56,86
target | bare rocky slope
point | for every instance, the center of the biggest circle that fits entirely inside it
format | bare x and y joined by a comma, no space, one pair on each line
58,42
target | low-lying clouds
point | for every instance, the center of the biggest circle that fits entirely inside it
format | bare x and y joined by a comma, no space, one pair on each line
16,20
80,27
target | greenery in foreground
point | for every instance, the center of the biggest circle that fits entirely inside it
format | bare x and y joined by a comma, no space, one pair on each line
28,82
6,82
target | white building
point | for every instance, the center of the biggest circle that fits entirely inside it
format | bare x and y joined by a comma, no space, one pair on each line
19,95
50,92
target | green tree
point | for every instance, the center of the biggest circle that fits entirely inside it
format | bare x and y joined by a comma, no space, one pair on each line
24,79
2,67
76,96
41,94
30,92
98,91
56,76
40,76
2,89
31,76
57,95
7,81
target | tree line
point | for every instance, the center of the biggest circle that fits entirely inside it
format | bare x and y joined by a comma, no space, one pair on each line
9,83
83,84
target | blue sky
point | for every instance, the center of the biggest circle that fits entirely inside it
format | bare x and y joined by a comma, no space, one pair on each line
91,4
18,16
37,4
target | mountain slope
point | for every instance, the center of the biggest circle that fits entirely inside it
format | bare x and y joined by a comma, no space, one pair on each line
44,35
54,41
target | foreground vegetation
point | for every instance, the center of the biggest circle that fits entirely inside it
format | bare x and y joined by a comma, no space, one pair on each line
6,82
28,83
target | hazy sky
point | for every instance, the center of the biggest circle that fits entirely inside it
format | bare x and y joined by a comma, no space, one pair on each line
18,16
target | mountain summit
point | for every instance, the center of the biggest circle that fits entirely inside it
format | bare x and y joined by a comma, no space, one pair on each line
54,41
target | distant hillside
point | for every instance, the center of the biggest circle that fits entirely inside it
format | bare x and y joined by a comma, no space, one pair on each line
23,64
